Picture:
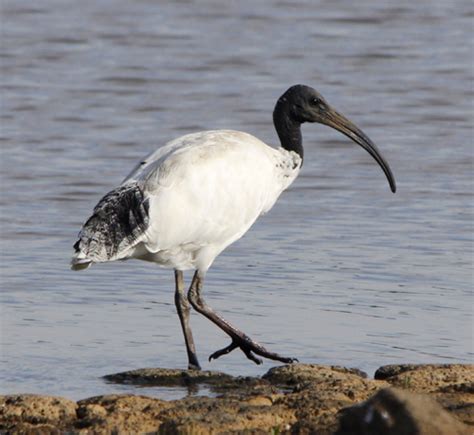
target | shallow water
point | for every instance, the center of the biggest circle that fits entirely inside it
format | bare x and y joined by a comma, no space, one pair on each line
339,272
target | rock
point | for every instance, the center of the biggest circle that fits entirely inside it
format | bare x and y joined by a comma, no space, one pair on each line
168,377
296,398
217,382
293,374
394,411
119,414
426,377
203,415
259,401
26,413
320,392
451,384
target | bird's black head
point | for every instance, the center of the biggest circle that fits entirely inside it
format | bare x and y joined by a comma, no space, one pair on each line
301,104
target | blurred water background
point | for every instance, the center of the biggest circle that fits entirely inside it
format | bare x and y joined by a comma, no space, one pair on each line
341,271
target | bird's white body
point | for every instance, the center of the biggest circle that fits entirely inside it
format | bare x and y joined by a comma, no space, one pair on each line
204,191
186,202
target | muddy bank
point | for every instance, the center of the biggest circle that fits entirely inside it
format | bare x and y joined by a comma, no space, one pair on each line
297,398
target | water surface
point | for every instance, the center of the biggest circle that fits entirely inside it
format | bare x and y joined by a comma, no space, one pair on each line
341,271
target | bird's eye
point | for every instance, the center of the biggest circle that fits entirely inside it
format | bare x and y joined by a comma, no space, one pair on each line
317,102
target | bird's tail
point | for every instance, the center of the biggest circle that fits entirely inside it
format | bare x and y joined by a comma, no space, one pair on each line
118,223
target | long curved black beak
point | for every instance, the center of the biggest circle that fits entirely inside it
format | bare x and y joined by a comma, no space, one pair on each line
341,123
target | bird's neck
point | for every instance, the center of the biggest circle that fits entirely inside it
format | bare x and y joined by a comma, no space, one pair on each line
289,130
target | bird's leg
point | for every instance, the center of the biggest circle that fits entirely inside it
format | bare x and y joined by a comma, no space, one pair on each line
182,306
239,339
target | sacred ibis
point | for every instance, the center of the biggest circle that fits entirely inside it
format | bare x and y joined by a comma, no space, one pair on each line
186,202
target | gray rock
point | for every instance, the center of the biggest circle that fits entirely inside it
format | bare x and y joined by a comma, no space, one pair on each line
393,411
167,377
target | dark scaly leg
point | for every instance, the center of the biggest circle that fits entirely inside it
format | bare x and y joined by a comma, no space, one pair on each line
239,339
182,306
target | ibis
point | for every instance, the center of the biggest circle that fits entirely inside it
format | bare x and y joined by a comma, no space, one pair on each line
182,205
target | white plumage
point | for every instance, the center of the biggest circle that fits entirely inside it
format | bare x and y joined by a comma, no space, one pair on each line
185,203
199,203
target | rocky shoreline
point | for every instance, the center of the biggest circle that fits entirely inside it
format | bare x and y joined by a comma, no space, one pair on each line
290,399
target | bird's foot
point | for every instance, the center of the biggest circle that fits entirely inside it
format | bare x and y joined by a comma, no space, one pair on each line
196,367
250,348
